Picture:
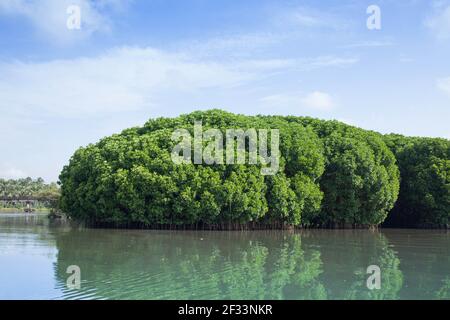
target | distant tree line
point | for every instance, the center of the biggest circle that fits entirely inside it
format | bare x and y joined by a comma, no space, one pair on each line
331,175
28,189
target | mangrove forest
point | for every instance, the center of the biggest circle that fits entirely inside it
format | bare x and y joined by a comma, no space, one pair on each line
330,175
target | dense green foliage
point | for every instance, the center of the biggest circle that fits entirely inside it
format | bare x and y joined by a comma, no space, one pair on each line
331,174
130,178
361,179
424,198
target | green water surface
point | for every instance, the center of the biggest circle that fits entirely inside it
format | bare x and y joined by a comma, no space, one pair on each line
152,264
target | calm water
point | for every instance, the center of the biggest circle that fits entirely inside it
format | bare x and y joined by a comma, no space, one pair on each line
143,264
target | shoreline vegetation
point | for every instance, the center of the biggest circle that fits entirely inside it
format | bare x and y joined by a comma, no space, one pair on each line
28,195
332,175
15,210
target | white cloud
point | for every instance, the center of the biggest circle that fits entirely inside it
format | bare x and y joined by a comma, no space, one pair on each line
302,18
8,172
369,44
328,61
235,45
132,78
405,59
123,79
310,18
443,84
316,100
49,17
439,22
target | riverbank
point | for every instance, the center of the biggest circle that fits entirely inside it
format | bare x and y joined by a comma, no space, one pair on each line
224,226
254,226
15,210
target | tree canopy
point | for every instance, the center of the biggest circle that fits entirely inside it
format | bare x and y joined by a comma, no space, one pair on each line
424,198
330,174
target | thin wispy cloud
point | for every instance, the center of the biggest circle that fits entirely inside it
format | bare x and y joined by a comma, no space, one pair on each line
328,61
124,79
9,172
131,78
439,21
49,17
310,18
368,44
405,59
443,84
316,100
232,45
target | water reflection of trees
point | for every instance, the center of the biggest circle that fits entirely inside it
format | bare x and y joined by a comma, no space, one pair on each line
311,264
187,265
425,262
444,291
124,264
346,254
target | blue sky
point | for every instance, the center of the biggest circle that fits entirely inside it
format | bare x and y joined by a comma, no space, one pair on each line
132,60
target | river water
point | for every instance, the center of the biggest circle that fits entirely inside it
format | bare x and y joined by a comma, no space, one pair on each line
35,255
